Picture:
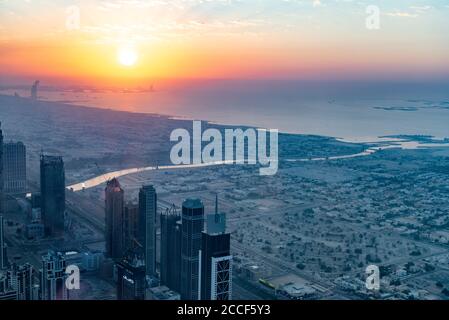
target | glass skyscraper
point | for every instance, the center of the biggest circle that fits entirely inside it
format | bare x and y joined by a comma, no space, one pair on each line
147,226
114,214
171,251
52,194
14,167
192,227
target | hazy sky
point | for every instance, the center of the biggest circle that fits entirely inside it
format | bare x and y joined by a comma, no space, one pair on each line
305,39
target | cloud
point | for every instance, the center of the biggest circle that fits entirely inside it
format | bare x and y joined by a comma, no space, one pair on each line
402,14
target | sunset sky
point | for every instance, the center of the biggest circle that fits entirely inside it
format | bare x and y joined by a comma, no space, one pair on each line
134,41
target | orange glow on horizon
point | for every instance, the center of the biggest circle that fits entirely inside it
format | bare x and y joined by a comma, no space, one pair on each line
96,63
216,40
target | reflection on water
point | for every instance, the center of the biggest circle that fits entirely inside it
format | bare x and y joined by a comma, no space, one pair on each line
348,117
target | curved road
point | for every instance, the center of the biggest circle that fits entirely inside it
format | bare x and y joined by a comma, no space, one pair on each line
93,182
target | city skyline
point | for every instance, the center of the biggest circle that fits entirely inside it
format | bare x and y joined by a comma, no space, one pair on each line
130,237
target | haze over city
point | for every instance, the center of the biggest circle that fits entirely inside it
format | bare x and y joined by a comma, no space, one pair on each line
224,150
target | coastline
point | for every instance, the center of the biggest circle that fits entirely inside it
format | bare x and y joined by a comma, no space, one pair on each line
365,148
73,104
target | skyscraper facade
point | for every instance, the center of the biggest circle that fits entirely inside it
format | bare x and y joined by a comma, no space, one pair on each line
14,168
216,267
53,277
147,226
131,276
131,225
21,280
52,194
6,292
216,259
170,266
191,229
114,209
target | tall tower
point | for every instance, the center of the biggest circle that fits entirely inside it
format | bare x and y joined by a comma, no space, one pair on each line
192,226
3,259
34,90
114,211
147,226
216,260
21,280
53,277
14,168
131,276
170,267
216,267
130,226
53,194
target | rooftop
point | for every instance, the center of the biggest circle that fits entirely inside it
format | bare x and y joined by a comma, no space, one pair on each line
193,203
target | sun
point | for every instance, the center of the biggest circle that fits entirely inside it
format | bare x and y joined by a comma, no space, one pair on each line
127,56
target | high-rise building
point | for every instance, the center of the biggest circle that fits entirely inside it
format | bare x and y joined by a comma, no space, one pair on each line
53,277
3,256
14,168
131,225
216,259
6,292
191,228
114,208
216,222
1,169
34,90
131,281
52,194
21,279
170,266
216,267
147,226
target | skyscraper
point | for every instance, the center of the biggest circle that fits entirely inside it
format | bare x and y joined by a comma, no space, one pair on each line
53,277
170,267
216,260
53,194
216,267
147,226
216,222
34,90
131,226
3,259
114,208
131,276
6,292
191,229
21,280
14,167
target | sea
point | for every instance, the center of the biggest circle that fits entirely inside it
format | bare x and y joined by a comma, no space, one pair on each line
351,113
